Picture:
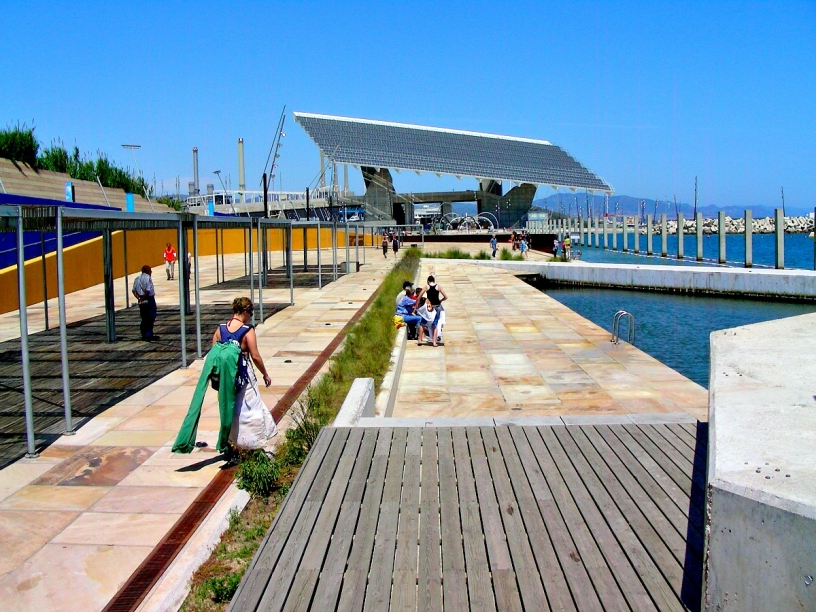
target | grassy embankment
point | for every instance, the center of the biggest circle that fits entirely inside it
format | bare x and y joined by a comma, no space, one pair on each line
365,353
456,253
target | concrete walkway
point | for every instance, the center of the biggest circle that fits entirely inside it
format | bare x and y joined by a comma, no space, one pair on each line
510,350
77,521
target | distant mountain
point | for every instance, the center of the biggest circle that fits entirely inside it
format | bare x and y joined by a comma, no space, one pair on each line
628,205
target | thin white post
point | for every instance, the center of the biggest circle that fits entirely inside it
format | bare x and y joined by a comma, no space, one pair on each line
197,287
182,300
319,265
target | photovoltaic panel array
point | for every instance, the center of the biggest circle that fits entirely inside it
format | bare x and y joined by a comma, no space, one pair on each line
400,146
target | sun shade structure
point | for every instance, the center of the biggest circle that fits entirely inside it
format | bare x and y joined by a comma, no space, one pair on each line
400,146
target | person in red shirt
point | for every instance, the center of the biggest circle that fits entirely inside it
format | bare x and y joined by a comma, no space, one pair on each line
170,261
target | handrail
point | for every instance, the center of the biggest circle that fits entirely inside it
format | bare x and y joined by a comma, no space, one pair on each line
630,324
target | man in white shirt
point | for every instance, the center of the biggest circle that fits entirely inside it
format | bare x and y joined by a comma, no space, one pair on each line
146,295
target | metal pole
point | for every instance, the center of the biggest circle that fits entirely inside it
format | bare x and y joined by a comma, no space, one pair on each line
223,269
260,273
217,279
357,244
124,257
197,286
243,233
45,278
291,275
699,228
780,239
334,250
364,241
251,276
319,264
182,302
21,290
346,240
680,235
749,230
107,274
664,235
66,381
649,234
305,247
721,236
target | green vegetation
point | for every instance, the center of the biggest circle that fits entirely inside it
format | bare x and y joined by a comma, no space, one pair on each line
366,353
456,253
20,144
506,255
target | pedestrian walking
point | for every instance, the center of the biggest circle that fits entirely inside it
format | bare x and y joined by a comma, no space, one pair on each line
385,246
146,296
494,245
170,261
395,244
524,248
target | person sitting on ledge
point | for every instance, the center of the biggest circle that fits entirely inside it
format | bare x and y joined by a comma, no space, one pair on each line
405,309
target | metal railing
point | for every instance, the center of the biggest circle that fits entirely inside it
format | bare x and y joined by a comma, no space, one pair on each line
630,325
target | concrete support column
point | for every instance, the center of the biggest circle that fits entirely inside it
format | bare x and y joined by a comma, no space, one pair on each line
780,239
615,233
605,234
699,230
749,234
637,235
721,236
649,232
625,246
680,236
664,234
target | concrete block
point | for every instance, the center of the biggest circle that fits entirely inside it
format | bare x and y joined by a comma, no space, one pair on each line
657,418
531,421
460,422
359,403
596,419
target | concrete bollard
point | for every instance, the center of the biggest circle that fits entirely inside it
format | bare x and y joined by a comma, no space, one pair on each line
359,403
749,231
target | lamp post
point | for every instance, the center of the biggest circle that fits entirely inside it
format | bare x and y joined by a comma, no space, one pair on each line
133,148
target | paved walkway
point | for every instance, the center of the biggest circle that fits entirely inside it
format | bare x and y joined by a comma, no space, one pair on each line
510,350
78,520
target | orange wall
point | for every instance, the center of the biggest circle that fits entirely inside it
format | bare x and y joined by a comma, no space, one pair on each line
83,262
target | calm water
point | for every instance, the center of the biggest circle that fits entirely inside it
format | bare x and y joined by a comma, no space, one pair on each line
674,328
799,251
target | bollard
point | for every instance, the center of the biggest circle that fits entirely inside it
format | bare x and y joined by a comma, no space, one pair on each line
749,231
699,229
649,232
780,239
721,236
664,233
680,235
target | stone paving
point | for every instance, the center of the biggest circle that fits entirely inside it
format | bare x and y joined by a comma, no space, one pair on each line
510,350
77,521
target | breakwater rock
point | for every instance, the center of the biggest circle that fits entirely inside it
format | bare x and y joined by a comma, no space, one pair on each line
793,225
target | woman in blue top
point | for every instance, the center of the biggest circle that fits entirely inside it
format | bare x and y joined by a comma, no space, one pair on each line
252,423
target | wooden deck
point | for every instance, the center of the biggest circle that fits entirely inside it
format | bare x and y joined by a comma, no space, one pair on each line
603,517
101,374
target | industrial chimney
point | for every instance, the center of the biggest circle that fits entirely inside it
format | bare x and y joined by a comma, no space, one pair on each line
241,177
195,170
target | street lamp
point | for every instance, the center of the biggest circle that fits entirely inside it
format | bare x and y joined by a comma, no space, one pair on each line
133,148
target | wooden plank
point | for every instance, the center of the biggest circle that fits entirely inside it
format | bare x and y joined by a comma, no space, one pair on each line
612,550
429,579
257,576
305,580
378,591
607,590
454,583
530,584
662,437
649,454
331,576
353,588
565,562
480,587
501,565
660,571
404,591
681,432
284,571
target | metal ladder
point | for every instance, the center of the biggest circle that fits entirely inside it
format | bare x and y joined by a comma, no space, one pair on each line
630,324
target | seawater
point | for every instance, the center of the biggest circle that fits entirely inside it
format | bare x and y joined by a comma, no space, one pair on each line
672,328
799,251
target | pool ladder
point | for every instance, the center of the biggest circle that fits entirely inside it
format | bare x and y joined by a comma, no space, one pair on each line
630,327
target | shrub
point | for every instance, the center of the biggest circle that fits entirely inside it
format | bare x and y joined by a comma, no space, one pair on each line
257,474
223,587
18,143
506,255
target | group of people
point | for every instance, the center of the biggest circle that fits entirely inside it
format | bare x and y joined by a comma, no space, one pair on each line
521,241
422,311
565,247
391,238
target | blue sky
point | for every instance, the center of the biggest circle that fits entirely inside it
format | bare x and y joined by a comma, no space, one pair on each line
647,95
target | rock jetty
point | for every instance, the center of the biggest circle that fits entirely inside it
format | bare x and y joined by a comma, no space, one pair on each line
793,225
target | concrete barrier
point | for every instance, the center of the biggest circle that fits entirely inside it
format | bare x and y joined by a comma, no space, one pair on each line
387,397
359,403
751,282
761,493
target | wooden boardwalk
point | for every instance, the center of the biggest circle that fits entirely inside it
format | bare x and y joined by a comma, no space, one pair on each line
603,517
101,374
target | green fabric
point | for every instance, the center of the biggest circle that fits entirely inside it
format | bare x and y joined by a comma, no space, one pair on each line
222,360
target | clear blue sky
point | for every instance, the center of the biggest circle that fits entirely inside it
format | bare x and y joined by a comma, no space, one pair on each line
645,94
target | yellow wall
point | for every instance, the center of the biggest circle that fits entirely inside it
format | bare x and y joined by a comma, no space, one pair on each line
83,262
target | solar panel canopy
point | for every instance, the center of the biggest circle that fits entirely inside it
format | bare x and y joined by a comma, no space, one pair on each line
400,146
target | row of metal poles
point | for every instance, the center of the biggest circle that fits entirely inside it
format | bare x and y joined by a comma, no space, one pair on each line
604,227
260,227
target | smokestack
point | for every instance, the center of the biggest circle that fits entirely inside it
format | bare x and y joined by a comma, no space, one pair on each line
345,178
241,178
195,170
322,170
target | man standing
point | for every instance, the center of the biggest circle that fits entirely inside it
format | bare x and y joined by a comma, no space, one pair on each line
170,261
146,295
494,245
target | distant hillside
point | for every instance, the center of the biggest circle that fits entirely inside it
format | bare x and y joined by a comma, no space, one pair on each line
628,205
